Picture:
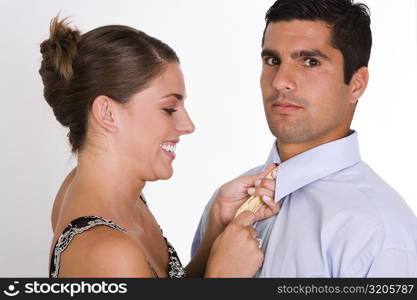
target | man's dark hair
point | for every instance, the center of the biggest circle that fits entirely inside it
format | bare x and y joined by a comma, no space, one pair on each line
350,24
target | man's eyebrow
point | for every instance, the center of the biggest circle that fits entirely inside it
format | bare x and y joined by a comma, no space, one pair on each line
268,52
309,53
178,96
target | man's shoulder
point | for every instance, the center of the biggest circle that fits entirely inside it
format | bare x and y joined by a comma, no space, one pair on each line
363,197
361,183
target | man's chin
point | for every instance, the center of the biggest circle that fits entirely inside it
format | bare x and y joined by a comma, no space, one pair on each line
291,136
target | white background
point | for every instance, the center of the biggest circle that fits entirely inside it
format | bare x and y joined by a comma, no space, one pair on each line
219,46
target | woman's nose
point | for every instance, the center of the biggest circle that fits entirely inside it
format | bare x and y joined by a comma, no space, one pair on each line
185,125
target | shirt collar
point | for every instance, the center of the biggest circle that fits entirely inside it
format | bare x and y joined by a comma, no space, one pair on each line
314,164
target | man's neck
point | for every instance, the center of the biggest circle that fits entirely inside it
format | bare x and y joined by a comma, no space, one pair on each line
288,150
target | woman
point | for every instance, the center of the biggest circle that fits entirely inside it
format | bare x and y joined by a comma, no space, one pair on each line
121,93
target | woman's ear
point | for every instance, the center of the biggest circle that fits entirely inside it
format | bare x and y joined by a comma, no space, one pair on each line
103,111
358,83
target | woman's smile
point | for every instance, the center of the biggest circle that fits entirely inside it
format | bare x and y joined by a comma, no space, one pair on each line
169,148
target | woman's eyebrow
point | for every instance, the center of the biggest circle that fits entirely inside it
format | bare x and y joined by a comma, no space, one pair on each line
178,96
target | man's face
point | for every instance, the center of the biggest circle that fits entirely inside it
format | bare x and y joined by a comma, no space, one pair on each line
304,94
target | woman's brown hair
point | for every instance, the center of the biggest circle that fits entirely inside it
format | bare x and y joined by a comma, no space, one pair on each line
116,61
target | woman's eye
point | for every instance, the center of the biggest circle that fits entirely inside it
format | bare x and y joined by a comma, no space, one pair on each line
272,61
170,111
311,62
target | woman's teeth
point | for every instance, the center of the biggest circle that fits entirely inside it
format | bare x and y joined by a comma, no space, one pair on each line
169,148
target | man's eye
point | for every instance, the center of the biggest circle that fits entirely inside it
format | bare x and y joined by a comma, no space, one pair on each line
311,62
170,111
272,61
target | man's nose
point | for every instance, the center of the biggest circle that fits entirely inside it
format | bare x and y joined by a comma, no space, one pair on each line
284,79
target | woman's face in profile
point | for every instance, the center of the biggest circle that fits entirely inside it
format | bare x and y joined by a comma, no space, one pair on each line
153,121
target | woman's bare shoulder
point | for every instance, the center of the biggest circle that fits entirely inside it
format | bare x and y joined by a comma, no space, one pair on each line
104,252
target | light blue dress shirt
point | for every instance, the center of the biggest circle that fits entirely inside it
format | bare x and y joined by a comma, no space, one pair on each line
338,218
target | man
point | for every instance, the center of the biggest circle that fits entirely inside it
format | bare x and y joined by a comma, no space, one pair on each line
338,218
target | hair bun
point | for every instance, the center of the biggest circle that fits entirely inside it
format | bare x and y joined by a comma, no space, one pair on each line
60,49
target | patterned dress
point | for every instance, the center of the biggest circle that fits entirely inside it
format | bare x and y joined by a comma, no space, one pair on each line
79,225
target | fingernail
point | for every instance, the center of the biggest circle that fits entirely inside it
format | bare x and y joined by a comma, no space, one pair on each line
257,182
251,191
266,198
274,174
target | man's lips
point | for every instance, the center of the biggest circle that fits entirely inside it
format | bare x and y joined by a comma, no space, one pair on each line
285,107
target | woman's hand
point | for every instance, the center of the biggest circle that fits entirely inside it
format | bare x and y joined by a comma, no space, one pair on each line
236,252
234,193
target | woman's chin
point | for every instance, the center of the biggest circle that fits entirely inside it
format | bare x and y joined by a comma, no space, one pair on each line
164,173
165,177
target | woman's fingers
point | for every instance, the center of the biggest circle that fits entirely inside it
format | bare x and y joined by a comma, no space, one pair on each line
236,251
265,183
249,179
246,218
267,211
244,221
273,208
252,232
263,193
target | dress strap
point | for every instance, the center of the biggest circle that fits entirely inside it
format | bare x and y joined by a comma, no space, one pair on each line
142,197
76,226
175,268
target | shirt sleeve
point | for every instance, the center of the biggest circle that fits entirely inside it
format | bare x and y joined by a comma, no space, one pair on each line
374,255
393,262
198,236
196,239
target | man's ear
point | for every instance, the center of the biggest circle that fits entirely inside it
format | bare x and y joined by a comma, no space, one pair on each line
358,83
103,111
